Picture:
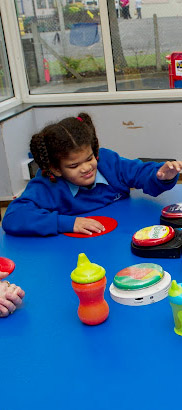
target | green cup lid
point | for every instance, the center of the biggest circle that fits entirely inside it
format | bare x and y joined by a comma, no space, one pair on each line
175,289
87,272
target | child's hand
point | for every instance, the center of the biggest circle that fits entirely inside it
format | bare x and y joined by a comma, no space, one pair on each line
10,298
169,170
87,226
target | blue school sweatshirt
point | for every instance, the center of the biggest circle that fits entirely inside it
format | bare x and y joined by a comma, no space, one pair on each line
47,208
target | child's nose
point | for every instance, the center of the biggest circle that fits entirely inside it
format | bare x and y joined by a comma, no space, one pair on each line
86,168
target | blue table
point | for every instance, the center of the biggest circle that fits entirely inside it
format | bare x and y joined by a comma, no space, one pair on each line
50,360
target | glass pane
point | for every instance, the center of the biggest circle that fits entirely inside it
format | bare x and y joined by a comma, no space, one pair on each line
143,34
6,89
41,4
52,4
62,45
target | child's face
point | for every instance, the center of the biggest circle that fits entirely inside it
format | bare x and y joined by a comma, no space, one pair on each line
79,167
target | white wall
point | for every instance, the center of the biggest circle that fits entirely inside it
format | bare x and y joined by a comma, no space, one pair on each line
5,183
14,147
133,130
156,131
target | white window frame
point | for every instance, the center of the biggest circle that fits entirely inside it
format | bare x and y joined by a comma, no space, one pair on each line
16,99
16,60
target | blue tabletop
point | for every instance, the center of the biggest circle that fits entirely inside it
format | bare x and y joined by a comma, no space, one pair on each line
50,360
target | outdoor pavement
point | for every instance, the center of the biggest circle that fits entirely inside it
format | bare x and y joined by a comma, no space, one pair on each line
142,82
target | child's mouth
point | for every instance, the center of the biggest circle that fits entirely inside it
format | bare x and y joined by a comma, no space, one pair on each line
89,175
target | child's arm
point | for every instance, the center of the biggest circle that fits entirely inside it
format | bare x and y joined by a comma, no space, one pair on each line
169,170
37,212
137,174
25,218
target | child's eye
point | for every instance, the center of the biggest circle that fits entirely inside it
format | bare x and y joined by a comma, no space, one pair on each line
73,166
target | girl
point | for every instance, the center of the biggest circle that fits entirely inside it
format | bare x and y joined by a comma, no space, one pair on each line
76,177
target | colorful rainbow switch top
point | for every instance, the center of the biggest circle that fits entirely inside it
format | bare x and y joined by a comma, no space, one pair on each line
138,276
153,235
172,211
87,272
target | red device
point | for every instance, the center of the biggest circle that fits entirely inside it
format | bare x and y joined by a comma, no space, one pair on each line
172,211
6,265
153,235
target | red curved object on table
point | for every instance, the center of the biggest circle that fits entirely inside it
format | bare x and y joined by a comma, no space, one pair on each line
109,223
6,265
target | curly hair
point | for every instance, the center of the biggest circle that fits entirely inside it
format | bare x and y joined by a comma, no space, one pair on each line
55,141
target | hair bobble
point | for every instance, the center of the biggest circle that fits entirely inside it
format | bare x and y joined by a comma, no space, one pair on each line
79,119
52,178
44,173
47,173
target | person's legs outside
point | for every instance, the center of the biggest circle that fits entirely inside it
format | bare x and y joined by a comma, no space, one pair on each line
124,12
128,12
139,14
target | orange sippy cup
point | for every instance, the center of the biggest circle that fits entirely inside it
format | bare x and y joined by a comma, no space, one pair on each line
89,283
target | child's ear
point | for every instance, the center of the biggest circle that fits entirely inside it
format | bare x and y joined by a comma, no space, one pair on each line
56,172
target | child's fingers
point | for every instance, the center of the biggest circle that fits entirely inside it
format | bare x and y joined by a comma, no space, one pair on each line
93,228
89,229
177,165
94,225
87,226
169,170
166,167
171,165
85,231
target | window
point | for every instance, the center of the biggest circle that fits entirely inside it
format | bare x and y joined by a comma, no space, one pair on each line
63,50
52,4
41,4
110,49
143,34
6,90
